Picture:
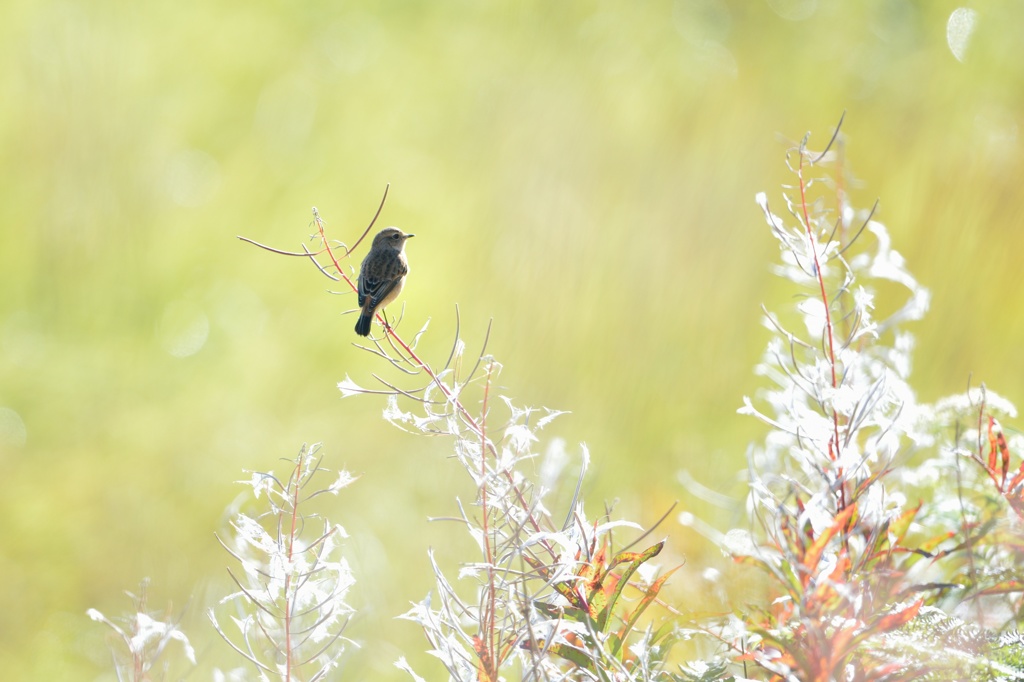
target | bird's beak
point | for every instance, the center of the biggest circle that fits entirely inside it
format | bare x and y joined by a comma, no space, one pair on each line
409,235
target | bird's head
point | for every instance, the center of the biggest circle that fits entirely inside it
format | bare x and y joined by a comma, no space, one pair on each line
391,237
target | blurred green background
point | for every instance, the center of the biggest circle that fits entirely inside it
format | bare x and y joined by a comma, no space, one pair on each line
582,172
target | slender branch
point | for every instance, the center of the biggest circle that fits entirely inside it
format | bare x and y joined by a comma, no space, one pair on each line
290,599
304,254
834,446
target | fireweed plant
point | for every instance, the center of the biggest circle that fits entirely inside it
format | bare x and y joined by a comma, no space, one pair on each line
289,611
883,538
549,596
887,532
139,641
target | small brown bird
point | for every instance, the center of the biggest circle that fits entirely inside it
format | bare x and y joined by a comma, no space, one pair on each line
381,276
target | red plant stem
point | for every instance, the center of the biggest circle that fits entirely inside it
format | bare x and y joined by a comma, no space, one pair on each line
330,252
834,451
489,611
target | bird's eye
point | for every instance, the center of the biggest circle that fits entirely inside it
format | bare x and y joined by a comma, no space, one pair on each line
396,236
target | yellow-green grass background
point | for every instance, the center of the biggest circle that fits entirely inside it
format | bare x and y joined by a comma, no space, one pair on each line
581,172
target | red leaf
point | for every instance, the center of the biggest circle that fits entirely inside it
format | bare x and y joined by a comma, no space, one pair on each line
485,669
998,453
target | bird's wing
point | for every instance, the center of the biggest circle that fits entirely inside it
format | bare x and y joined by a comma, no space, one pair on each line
378,288
361,289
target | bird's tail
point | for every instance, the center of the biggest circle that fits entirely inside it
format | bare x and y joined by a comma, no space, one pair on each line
363,324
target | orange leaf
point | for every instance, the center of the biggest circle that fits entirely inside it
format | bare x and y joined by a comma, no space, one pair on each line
991,447
485,669
1005,587
814,552
898,619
